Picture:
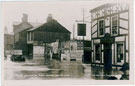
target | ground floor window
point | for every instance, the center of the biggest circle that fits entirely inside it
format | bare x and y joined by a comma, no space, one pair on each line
120,52
97,52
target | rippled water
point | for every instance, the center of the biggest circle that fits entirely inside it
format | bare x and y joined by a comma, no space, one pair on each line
53,69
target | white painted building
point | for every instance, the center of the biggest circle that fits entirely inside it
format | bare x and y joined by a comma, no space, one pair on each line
110,34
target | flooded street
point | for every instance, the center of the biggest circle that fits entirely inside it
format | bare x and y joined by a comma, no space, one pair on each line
53,69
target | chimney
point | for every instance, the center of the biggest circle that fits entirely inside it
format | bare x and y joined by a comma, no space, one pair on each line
49,18
25,18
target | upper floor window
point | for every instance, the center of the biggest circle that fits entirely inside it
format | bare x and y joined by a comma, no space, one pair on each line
101,27
114,25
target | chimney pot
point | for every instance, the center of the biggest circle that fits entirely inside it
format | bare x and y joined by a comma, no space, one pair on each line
49,18
25,18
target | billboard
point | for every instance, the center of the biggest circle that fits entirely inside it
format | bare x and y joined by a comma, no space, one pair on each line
16,52
81,29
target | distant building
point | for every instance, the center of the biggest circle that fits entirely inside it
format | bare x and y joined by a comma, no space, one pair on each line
76,50
109,34
20,34
46,33
8,42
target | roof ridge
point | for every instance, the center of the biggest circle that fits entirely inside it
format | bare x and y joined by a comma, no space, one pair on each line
50,24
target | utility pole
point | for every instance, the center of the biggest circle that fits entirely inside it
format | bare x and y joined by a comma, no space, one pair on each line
82,27
73,31
83,35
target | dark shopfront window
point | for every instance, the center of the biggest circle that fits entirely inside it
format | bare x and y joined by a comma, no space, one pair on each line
114,25
101,27
120,53
97,52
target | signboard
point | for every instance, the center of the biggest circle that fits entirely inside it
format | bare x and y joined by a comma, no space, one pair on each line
38,50
107,39
55,47
81,29
16,52
7,52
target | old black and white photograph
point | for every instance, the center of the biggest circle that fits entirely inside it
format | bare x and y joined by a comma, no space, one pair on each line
67,40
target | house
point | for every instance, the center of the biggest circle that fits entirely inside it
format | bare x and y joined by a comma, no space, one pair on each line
110,34
8,42
20,34
47,33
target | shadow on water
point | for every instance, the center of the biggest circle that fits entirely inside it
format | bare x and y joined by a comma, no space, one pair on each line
60,69
96,72
100,73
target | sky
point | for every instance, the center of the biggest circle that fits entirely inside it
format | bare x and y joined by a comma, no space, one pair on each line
65,12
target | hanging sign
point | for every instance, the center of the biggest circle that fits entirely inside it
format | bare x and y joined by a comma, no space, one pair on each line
81,29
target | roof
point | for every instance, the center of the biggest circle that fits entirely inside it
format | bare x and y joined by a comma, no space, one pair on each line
34,28
20,26
51,26
16,23
34,24
102,7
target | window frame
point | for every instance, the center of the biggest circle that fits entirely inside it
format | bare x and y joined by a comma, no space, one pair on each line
122,52
101,35
113,26
28,36
99,53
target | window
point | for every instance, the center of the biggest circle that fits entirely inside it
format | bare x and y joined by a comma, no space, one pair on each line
114,25
71,47
32,36
120,52
97,52
78,48
101,27
28,36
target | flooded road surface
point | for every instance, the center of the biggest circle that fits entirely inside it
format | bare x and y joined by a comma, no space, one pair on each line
53,69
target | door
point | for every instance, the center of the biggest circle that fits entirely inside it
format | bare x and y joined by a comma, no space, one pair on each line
107,56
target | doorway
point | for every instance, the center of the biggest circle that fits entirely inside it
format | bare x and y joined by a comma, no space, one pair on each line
107,55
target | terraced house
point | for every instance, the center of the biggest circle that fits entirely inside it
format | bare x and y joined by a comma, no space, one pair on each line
20,33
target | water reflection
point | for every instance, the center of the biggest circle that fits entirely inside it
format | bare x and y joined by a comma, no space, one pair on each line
97,72
53,69
65,69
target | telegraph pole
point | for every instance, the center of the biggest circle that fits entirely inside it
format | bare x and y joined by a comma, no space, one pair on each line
73,31
82,27
83,35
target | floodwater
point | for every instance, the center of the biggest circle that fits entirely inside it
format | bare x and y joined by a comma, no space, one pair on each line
54,69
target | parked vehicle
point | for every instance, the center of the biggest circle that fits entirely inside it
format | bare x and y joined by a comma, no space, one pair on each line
19,58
